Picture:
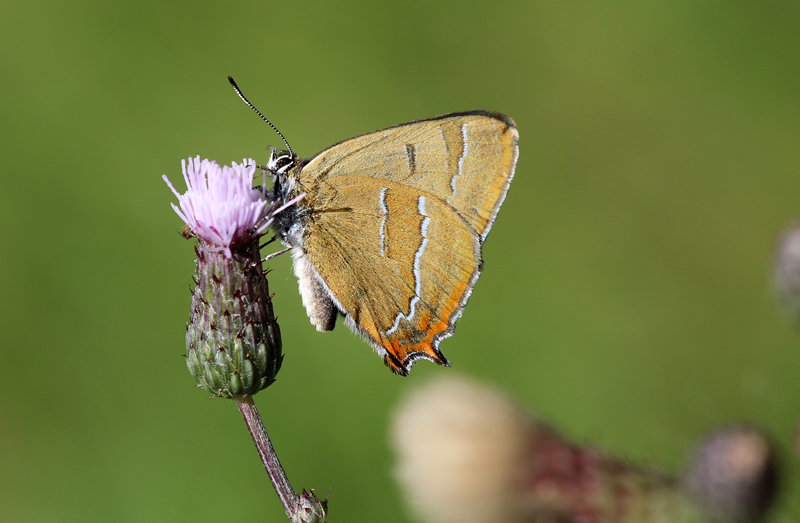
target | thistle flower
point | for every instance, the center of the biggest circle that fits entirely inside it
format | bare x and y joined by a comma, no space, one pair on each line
233,342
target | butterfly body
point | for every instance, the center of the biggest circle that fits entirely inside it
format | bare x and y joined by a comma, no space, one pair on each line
390,231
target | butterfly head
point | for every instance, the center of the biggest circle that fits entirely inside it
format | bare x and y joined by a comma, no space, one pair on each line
280,162
283,166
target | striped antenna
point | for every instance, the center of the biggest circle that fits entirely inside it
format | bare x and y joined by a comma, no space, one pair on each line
253,107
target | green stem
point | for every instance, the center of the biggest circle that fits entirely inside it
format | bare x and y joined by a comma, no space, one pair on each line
268,457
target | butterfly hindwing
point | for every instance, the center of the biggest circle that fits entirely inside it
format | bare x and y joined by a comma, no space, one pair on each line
394,224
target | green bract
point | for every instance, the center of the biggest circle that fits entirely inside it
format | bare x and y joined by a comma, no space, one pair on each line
233,342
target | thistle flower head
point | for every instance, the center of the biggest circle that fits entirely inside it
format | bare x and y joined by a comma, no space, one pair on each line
233,344
220,205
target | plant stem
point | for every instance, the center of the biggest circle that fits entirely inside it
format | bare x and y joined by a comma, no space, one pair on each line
268,457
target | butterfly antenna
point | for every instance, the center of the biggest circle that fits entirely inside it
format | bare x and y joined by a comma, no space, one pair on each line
253,107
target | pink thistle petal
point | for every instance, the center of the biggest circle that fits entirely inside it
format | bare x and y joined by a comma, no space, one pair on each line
220,205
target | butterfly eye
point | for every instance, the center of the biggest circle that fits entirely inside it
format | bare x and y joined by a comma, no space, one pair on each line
280,161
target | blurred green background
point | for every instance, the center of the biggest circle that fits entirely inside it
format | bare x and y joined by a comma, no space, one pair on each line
626,293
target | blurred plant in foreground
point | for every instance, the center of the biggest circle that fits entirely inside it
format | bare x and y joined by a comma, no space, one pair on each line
233,342
467,454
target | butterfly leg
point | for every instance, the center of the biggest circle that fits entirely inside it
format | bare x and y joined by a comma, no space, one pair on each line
276,254
271,240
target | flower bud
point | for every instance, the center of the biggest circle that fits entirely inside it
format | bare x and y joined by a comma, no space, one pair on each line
733,475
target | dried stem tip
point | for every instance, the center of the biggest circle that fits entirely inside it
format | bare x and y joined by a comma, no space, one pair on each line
310,509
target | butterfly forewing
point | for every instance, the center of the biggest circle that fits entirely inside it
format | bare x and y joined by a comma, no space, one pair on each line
465,159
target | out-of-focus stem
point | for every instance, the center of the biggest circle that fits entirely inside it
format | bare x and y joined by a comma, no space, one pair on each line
268,457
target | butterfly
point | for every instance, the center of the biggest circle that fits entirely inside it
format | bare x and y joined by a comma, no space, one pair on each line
390,230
